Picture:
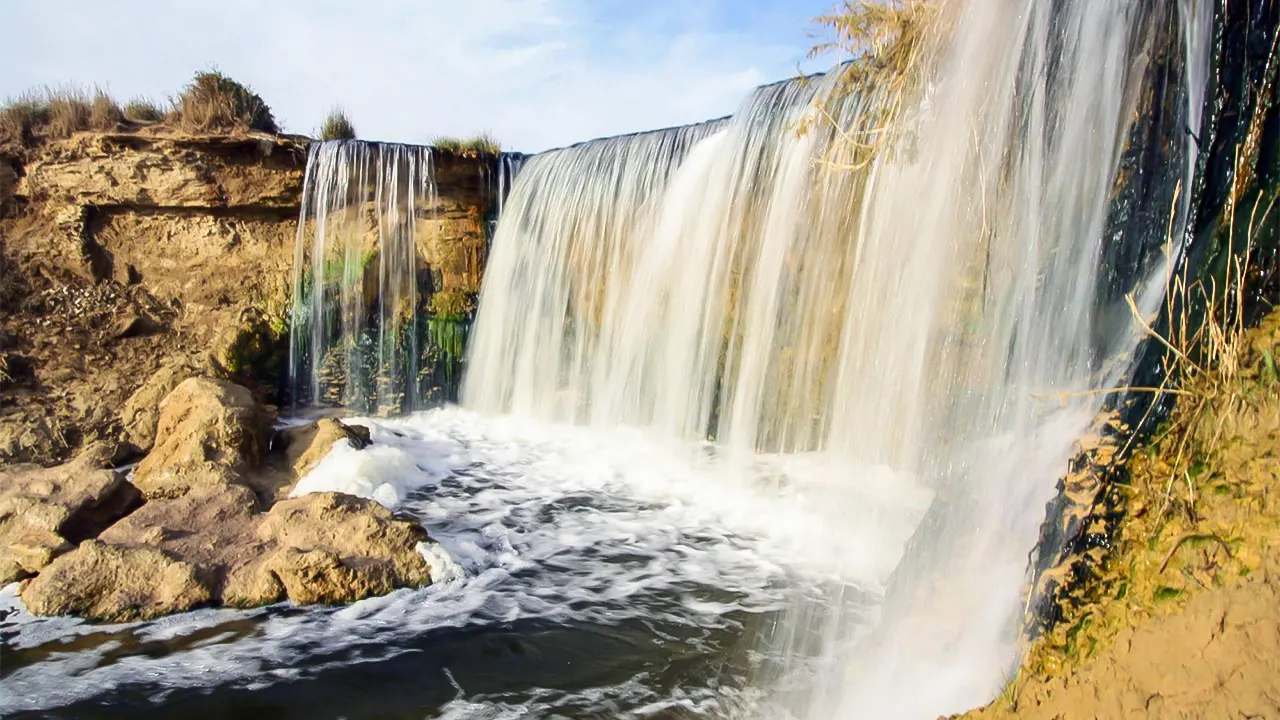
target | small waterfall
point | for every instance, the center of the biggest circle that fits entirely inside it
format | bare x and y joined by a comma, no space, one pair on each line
366,331
942,311
357,334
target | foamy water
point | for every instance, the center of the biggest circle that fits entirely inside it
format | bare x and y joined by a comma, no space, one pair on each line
617,536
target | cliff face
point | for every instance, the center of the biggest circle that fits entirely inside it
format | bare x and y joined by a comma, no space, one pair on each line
126,254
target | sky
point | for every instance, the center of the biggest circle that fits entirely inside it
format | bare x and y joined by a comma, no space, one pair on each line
537,74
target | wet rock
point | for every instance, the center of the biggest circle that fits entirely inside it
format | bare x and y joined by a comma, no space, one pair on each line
45,511
331,548
209,433
116,584
306,445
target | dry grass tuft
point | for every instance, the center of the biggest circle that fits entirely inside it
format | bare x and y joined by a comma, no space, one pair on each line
337,126
56,113
213,102
482,144
142,110
881,47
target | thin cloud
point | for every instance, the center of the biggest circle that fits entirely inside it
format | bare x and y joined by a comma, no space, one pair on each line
536,73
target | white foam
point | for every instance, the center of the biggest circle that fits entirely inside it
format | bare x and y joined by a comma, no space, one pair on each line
533,521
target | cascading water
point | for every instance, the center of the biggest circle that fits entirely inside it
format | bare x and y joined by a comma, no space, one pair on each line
810,393
924,317
356,337
363,333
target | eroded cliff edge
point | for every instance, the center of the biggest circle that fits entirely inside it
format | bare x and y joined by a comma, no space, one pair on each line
132,260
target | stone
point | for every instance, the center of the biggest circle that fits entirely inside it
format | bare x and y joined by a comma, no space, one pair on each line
306,445
335,548
116,584
133,325
141,411
210,546
44,512
209,433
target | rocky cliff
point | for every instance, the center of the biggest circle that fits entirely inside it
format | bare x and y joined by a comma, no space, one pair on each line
132,260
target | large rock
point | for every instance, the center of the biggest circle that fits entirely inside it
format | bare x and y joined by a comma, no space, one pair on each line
45,512
210,433
141,413
211,547
339,548
116,584
306,445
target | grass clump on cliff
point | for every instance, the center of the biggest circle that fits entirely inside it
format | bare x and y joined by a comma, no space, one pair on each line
213,102
337,126
142,110
55,113
482,144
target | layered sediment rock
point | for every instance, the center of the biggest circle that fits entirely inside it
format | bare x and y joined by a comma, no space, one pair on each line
123,254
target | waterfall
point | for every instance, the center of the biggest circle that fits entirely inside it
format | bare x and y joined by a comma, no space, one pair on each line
939,310
356,335
364,334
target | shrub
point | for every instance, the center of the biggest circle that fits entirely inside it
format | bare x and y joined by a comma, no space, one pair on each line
21,116
337,126
447,143
51,114
143,110
104,113
482,144
213,102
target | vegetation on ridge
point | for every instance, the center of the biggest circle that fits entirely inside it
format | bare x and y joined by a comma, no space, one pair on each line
55,113
143,110
482,144
337,126
213,102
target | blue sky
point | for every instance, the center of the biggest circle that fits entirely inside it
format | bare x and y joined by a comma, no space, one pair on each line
536,73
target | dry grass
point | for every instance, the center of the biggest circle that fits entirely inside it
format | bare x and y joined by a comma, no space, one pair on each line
881,47
1194,515
143,110
55,113
337,126
214,103
482,144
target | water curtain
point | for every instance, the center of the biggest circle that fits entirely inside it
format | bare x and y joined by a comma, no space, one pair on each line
947,309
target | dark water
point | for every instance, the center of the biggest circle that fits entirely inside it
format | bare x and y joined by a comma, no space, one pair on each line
579,589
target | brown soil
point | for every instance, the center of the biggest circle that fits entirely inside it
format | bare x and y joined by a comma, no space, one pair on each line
1184,621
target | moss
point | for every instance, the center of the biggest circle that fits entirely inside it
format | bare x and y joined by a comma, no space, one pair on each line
255,351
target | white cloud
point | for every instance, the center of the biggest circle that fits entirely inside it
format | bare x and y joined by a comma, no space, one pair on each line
537,73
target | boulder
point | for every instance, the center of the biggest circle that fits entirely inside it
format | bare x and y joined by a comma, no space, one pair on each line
116,584
44,512
141,411
372,552
209,433
306,445
210,547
